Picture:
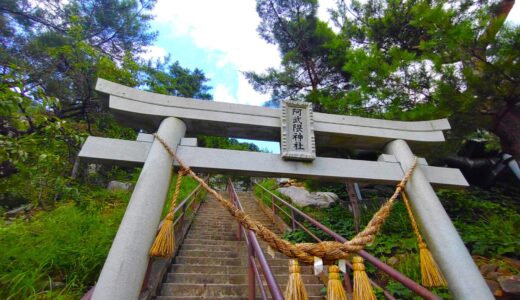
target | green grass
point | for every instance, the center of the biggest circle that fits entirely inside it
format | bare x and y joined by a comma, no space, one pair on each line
67,245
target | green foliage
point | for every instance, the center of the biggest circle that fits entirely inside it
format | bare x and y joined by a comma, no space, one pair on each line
488,222
401,60
67,245
225,143
312,54
175,80
188,185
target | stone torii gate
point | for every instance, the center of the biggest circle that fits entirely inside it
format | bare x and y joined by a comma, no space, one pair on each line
300,132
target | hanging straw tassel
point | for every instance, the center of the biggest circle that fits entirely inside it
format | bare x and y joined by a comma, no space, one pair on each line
164,244
430,273
362,287
335,289
295,289
165,241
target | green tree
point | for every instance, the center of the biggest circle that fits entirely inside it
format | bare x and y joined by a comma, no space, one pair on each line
59,48
172,79
423,59
312,54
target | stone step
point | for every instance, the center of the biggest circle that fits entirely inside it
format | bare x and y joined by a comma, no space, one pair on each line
214,237
190,241
212,269
226,261
229,278
219,290
210,248
212,263
210,254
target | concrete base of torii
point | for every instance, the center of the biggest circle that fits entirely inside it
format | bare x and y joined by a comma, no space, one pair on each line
124,269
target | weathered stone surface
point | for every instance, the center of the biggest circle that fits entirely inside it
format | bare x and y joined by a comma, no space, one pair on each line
303,198
119,186
487,268
493,275
510,284
93,169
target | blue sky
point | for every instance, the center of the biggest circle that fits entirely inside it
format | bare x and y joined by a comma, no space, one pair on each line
220,38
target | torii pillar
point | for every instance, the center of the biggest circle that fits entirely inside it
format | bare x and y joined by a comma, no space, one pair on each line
462,275
122,275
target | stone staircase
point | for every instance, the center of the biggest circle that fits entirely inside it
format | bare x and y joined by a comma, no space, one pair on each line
212,264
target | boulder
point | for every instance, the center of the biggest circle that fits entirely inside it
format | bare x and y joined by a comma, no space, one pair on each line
115,185
19,211
493,275
302,197
510,284
487,268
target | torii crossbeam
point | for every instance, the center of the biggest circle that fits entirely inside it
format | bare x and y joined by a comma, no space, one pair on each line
175,117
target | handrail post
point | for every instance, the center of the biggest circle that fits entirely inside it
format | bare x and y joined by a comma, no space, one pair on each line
250,272
233,198
347,283
293,221
273,206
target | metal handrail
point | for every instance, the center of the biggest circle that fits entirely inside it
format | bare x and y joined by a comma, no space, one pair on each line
186,203
254,250
396,275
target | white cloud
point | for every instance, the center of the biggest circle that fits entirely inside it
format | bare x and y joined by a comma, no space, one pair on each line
154,52
222,94
227,27
323,9
514,15
245,94
227,30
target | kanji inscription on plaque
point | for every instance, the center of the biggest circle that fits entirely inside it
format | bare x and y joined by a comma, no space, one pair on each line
297,131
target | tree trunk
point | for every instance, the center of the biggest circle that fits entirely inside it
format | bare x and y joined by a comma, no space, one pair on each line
506,125
354,202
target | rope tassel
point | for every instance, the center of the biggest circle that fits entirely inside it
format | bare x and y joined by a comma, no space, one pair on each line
362,287
295,289
164,244
430,273
335,289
